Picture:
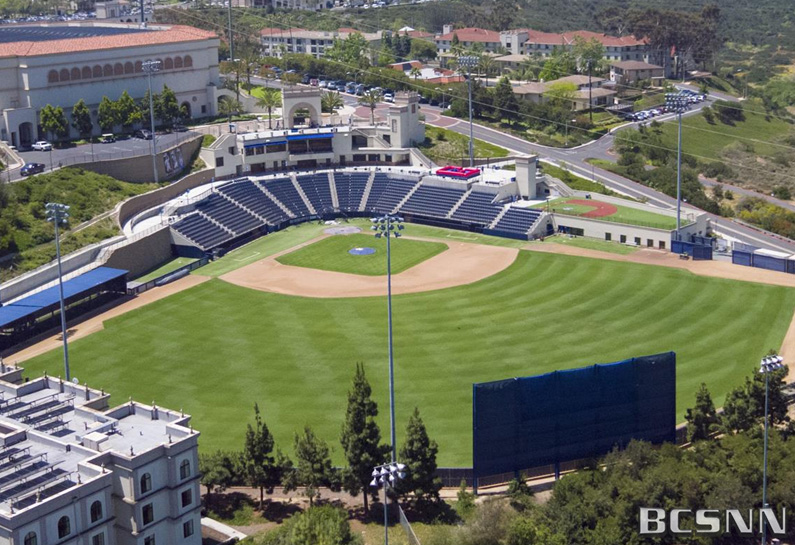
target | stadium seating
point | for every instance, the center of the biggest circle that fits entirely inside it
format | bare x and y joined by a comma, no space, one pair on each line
250,196
228,214
284,190
350,189
477,208
386,193
518,220
201,231
317,189
432,201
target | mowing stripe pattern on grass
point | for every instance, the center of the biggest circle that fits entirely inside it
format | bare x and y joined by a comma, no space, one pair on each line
216,349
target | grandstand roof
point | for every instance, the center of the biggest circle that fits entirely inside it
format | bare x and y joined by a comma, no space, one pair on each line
33,304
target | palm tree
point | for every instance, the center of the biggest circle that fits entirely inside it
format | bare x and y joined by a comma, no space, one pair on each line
271,98
229,107
486,66
415,72
371,99
330,102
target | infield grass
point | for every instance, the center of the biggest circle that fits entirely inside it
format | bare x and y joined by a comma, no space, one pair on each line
331,254
216,349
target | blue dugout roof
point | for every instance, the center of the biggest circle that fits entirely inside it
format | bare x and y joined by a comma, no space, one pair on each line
46,298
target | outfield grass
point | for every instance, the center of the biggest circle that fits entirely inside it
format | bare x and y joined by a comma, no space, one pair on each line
165,268
216,349
331,254
591,244
624,214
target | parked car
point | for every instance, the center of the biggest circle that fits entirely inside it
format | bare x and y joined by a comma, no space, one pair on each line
108,138
179,127
423,100
42,145
32,168
143,133
389,98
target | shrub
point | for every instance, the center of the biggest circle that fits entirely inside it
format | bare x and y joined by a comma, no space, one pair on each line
323,524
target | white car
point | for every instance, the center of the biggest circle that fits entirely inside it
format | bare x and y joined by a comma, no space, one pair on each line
389,98
42,145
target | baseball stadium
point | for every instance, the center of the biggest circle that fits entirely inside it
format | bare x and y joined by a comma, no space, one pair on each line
293,295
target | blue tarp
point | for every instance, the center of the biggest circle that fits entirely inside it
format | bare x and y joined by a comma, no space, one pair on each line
530,422
49,297
309,136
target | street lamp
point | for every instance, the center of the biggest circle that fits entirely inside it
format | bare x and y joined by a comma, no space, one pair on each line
469,62
677,102
384,476
389,226
150,67
767,366
58,214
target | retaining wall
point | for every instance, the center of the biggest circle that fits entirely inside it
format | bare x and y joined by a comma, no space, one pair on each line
142,255
139,203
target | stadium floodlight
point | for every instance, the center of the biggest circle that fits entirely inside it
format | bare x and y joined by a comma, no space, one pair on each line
150,67
390,474
678,103
59,214
389,226
768,365
469,62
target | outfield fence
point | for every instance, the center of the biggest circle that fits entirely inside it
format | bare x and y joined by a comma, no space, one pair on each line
176,274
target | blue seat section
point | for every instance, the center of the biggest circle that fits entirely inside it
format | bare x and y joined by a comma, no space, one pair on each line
350,189
201,231
317,189
518,220
432,201
386,193
250,196
284,190
228,214
477,208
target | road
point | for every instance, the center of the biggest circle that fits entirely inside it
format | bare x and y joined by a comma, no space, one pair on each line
97,152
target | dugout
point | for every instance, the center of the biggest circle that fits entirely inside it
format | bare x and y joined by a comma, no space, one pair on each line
34,314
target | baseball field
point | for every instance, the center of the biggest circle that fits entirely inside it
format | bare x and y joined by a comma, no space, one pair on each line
217,348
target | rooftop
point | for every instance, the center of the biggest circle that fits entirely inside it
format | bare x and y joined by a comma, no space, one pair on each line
49,39
340,33
635,65
567,38
472,35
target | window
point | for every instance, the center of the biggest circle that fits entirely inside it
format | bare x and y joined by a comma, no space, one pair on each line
64,527
146,483
184,466
75,73
129,68
149,540
188,61
86,72
649,243
232,151
637,241
148,513
219,161
64,74
52,76
96,511
96,72
118,69
187,529
168,64
98,539
187,497
608,236
204,108
31,539
623,239
107,70
178,62
662,245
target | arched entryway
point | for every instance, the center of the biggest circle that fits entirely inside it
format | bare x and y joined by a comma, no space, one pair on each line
25,134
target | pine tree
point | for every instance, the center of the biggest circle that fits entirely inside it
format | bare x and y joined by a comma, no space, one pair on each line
313,464
419,454
361,438
81,119
260,469
167,107
217,471
703,418
505,104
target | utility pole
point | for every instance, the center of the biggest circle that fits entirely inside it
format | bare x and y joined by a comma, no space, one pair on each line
590,93
231,39
150,67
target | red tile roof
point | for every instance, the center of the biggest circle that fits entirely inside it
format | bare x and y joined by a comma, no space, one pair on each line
567,38
472,35
157,35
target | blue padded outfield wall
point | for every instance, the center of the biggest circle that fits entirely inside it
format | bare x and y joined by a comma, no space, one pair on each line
528,422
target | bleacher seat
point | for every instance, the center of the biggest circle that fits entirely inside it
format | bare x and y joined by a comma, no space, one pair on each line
386,193
228,214
284,190
518,220
350,189
478,208
250,196
432,201
317,189
201,231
